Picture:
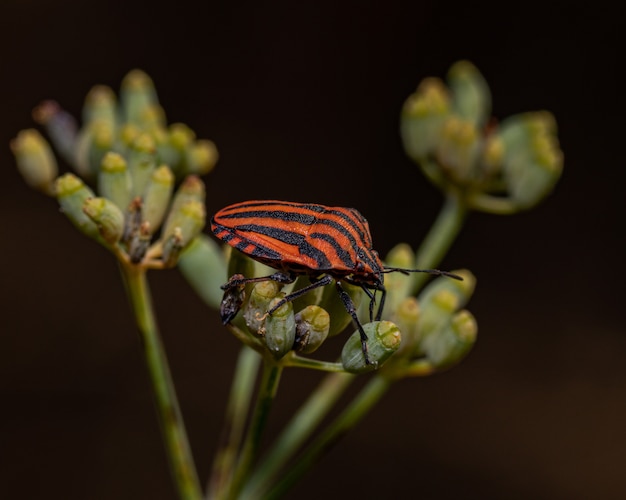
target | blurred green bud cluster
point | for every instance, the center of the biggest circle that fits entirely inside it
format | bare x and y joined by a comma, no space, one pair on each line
498,168
127,161
437,332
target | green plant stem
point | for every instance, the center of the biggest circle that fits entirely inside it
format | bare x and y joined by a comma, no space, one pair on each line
295,361
440,237
353,414
237,410
172,426
300,427
267,391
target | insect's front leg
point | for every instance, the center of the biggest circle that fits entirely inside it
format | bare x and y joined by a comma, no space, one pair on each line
237,280
234,292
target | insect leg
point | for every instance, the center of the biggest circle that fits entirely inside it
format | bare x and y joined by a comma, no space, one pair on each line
325,280
234,293
383,296
236,280
349,305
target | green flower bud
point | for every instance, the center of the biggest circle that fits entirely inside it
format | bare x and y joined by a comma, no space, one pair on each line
383,340
398,285
107,216
492,156
422,117
406,317
312,326
60,126
129,133
203,265
152,118
191,189
141,162
200,157
458,149
136,94
280,329
439,301
188,218
114,181
533,161
157,197
259,303
339,317
35,160
450,344
71,193
100,106
471,97
173,150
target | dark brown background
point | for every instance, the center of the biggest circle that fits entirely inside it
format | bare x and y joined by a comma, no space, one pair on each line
303,104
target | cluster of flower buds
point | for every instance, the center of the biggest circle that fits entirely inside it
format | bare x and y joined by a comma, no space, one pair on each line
497,168
133,159
437,332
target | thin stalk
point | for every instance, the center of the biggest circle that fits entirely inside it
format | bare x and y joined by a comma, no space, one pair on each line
170,417
440,237
353,414
300,427
237,411
267,392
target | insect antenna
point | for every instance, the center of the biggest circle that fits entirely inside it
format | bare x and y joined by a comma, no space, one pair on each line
437,272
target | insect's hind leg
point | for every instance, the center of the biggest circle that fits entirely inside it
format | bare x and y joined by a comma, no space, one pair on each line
349,305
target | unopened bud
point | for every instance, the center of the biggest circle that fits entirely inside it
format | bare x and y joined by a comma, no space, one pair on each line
189,218
383,340
280,329
173,151
71,193
406,317
422,116
35,160
157,196
458,148
398,285
107,216
259,303
471,97
533,161
136,94
60,126
100,106
451,344
312,326
201,157
141,162
114,181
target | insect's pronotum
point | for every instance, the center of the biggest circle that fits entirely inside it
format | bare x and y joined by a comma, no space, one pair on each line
323,243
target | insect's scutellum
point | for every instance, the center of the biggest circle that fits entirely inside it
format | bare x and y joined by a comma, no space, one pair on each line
323,243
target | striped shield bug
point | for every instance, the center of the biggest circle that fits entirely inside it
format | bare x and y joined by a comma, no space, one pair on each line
323,243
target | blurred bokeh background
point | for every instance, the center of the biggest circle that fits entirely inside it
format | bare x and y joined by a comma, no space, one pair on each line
302,101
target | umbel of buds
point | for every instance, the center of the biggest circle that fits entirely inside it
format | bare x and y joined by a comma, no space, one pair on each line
126,160
498,168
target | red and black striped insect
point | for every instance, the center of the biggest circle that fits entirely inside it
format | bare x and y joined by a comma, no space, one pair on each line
323,243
